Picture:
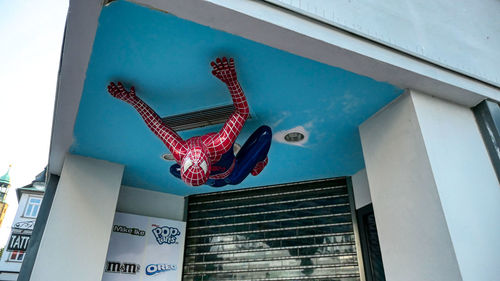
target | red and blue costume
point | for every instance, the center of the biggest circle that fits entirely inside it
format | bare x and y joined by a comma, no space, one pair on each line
209,159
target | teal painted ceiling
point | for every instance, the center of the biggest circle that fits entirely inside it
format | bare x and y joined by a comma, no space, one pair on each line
167,60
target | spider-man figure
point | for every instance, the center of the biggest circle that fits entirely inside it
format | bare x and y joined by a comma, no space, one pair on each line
209,158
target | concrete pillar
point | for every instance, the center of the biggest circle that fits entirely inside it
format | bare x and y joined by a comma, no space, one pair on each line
434,191
76,236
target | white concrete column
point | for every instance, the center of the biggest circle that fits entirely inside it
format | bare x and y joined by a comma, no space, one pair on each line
75,240
435,195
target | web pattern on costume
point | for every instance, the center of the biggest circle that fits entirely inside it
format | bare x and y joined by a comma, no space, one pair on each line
259,167
209,147
169,137
219,143
195,174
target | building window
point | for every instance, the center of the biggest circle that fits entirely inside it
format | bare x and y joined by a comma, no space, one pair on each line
32,207
17,256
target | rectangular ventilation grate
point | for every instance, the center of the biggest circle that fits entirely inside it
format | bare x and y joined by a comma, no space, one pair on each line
301,231
198,119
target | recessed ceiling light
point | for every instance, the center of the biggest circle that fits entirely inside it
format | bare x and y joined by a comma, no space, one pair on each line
297,136
294,137
168,157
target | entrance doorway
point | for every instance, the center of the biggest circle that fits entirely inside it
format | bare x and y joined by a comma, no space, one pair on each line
299,231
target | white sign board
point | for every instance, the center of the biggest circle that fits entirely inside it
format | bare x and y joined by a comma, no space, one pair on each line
145,248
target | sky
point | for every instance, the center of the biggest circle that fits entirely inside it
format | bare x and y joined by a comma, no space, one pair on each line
31,33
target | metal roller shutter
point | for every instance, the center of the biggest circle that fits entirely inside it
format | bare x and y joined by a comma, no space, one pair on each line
301,231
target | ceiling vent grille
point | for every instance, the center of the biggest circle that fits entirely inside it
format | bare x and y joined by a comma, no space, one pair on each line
199,119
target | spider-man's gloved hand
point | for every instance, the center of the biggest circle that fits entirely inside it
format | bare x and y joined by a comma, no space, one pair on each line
224,70
119,92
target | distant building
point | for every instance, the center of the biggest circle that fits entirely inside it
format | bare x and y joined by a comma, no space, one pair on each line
29,198
4,188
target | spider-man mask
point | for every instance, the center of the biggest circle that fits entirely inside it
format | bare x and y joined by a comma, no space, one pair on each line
195,167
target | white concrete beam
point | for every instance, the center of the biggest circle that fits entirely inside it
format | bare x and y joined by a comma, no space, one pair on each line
149,203
294,33
81,27
76,237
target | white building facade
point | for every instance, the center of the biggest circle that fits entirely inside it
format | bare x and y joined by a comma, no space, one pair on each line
29,199
380,100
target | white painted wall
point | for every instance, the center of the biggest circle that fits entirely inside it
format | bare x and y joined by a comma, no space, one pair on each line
414,238
361,189
9,276
76,237
440,31
467,185
144,202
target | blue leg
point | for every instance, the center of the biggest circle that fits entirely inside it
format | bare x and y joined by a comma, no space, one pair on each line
253,151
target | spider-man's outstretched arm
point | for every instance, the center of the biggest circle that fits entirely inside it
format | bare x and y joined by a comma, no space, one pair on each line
221,142
172,140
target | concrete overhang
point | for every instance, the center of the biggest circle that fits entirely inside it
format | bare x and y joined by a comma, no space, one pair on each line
263,23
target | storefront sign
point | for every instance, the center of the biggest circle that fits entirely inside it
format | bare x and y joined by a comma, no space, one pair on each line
119,267
166,234
18,242
24,225
153,269
129,230
144,248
